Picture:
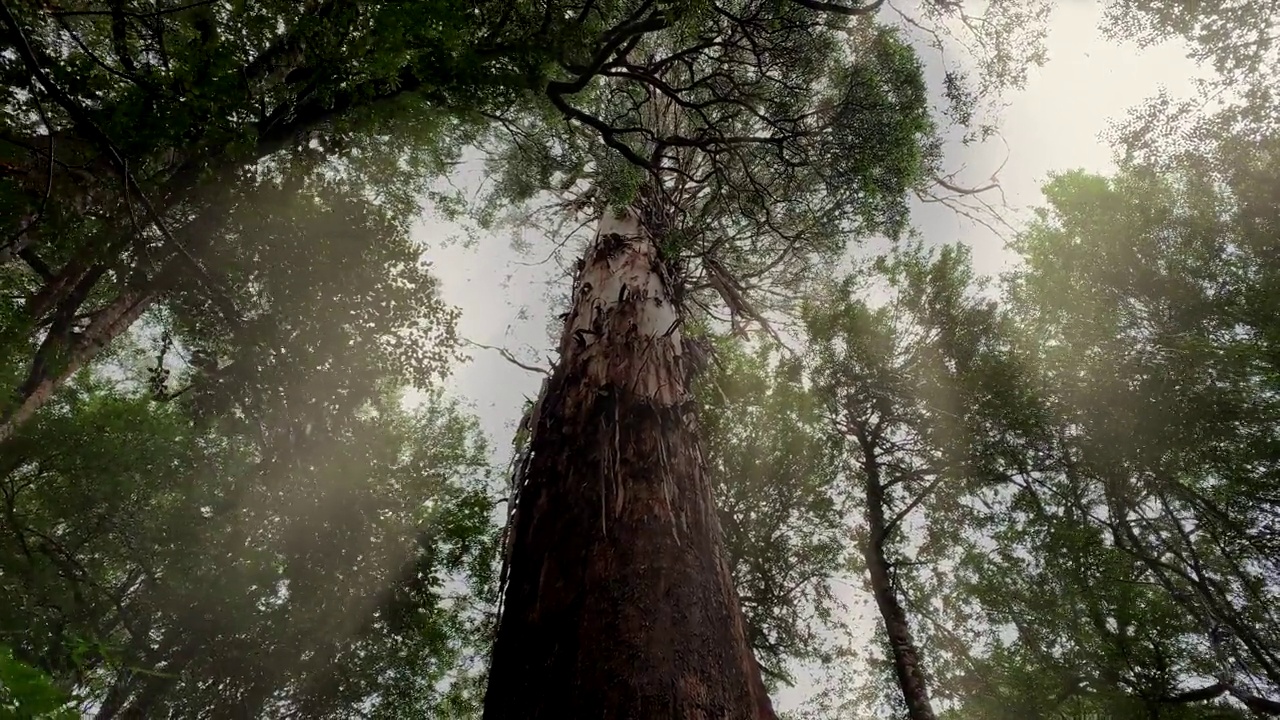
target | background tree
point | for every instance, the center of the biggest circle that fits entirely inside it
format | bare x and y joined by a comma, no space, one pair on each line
1107,542
151,585
128,131
914,388
226,519
1171,299
774,473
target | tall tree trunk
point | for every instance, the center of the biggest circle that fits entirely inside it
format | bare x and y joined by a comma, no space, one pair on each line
619,603
906,658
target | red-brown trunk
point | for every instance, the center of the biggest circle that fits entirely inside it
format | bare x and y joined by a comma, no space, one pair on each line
619,603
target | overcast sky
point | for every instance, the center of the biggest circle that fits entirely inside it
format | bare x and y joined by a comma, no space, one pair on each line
1053,124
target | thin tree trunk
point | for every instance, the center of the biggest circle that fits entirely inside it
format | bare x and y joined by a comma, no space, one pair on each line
108,324
20,241
906,658
619,602
72,352
53,292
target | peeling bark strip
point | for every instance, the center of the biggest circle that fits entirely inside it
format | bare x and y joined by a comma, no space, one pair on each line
619,604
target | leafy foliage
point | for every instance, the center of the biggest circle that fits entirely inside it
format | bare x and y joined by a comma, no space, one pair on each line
130,133
25,692
1237,37
234,514
756,139
209,573
1162,281
775,477
1091,459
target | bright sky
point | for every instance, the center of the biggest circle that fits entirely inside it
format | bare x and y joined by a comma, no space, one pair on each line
1052,125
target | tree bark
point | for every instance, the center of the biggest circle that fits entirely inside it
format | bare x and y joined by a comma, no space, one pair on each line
619,603
906,658
76,352
64,353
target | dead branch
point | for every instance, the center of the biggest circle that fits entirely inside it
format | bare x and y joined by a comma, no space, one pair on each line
509,357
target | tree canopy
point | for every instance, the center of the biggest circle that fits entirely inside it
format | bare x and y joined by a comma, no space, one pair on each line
1089,457
1056,489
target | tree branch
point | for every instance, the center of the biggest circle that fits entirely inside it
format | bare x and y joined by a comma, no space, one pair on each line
614,39
506,355
129,13
1256,703
608,133
81,119
904,512
838,9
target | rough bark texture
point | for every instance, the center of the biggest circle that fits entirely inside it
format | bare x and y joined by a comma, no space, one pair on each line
906,659
619,603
